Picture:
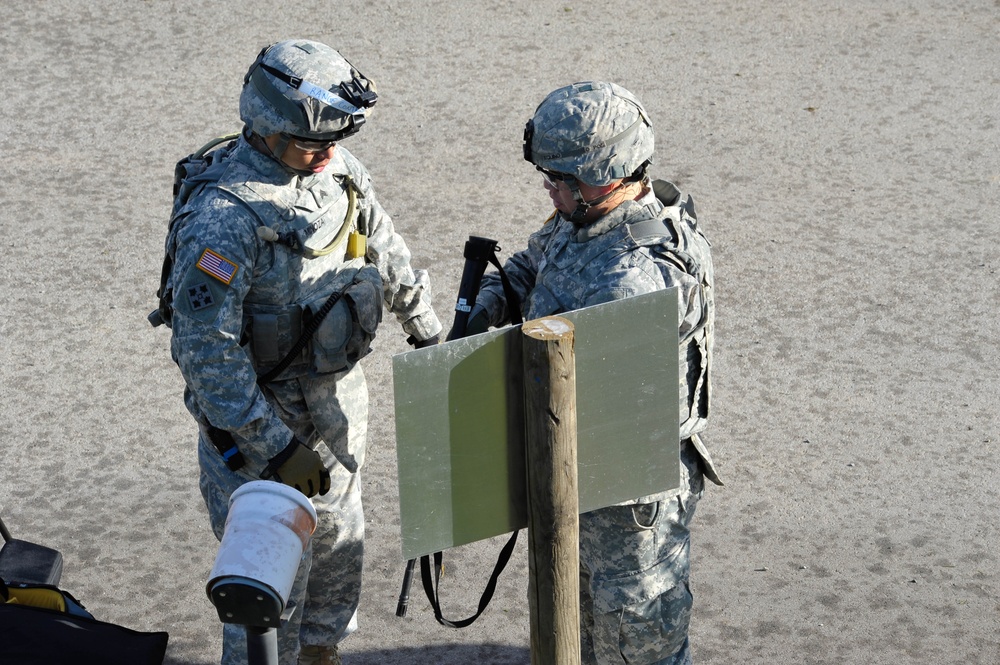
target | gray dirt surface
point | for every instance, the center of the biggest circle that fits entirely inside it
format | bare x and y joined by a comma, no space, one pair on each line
845,159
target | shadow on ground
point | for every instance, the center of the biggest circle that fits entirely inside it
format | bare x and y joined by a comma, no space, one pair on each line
444,654
441,654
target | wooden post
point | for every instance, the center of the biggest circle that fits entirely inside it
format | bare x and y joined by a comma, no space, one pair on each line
553,501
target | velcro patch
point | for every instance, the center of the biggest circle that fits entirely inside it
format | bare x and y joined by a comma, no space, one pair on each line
217,266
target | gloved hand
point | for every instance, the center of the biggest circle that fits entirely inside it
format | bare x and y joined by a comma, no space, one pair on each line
299,466
420,344
479,321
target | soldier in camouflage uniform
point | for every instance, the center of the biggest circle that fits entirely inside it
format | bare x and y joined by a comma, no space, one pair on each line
284,218
614,234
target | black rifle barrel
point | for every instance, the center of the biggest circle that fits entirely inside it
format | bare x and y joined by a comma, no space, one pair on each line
477,254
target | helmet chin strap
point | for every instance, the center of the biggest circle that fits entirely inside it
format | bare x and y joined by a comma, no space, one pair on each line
258,142
280,148
582,205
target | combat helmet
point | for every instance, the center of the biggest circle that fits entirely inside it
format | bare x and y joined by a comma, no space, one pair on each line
304,89
593,132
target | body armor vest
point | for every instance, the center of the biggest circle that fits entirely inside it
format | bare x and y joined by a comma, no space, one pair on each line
288,286
303,261
670,232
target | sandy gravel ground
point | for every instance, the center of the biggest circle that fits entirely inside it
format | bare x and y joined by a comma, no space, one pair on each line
845,158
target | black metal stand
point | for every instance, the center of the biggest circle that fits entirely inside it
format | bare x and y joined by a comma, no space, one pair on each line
21,561
262,646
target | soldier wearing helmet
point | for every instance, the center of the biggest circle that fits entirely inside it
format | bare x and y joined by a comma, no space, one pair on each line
280,263
616,233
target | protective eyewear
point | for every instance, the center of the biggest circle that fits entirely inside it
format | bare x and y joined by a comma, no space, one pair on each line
308,145
554,177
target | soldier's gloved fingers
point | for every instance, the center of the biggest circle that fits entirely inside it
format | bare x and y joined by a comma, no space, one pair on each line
298,466
430,341
479,321
324,482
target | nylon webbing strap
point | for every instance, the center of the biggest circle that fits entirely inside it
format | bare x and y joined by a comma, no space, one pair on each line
223,440
651,228
433,585
513,302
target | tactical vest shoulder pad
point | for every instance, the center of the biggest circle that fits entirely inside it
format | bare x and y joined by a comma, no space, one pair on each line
192,172
668,194
675,229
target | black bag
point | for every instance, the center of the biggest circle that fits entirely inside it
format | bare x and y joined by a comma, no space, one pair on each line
44,625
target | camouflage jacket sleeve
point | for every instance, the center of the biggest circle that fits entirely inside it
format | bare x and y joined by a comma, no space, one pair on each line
407,291
215,250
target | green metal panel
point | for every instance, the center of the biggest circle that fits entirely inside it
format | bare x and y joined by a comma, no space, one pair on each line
458,406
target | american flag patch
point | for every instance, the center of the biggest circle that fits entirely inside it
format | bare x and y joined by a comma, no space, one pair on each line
217,266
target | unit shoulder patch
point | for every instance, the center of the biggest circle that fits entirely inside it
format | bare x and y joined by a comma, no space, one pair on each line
200,297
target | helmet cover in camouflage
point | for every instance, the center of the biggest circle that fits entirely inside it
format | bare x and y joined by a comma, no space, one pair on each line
306,89
598,132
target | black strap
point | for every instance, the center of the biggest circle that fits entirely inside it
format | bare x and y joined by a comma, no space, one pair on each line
477,250
226,445
513,301
433,586
307,332
223,440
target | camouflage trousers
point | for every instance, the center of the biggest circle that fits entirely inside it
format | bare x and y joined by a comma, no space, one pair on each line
635,604
327,585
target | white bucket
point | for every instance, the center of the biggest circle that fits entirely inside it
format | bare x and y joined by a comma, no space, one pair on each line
268,527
